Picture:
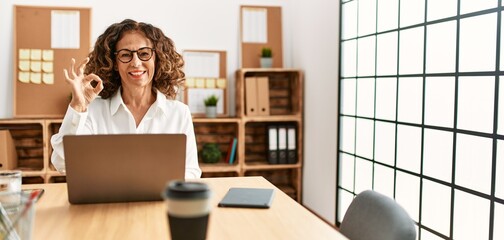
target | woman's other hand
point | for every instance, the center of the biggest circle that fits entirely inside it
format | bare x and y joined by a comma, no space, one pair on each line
83,92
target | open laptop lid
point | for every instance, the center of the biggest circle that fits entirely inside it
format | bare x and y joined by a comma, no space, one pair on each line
122,167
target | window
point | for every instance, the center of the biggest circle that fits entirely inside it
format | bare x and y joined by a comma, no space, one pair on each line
422,112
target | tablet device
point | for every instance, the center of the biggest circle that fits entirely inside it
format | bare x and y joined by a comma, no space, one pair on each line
248,198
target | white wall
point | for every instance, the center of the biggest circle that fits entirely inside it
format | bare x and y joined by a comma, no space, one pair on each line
310,43
315,50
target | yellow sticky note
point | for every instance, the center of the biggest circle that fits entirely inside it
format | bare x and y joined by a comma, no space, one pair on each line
24,54
35,77
24,77
189,82
24,65
36,54
210,82
48,55
200,82
221,83
47,67
48,78
35,66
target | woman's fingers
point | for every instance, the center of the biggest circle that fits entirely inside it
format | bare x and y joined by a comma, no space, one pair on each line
72,68
93,77
82,66
71,74
99,87
67,78
89,78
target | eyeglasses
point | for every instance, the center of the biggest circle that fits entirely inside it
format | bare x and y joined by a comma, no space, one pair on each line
125,55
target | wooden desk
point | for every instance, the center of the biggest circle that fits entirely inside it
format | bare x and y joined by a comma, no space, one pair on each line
56,219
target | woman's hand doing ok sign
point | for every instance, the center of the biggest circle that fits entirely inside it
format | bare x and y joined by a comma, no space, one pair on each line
83,92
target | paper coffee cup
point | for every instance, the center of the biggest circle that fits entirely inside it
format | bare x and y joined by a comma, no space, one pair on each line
188,209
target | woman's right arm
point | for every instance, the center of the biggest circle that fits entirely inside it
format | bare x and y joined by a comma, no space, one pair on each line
74,122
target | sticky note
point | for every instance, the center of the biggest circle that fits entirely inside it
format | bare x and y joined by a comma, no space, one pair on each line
189,82
24,77
47,55
210,83
36,54
200,82
221,83
24,65
47,67
24,54
48,78
35,78
35,66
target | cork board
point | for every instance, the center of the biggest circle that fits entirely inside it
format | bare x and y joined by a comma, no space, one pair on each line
251,50
204,78
37,93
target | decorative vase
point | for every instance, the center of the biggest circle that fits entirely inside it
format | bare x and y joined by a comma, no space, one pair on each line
211,111
266,62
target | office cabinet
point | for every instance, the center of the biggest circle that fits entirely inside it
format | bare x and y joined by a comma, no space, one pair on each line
31,138
285,98
285,103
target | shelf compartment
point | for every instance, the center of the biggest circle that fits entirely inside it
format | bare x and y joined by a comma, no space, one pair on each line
286,180
32,180
219,174
28,141
53,127
57,179
285,90
221,133
256,145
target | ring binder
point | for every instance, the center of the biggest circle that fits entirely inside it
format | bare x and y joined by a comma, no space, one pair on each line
272,144
291,145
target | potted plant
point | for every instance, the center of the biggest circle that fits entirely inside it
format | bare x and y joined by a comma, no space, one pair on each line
266,57
211,106
211,153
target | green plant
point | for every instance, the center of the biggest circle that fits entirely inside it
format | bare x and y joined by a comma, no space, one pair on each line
211,100
266,52
211,153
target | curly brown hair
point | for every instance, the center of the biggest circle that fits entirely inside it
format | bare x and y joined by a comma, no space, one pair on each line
168,76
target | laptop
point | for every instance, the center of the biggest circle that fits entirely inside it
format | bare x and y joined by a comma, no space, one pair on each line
122,167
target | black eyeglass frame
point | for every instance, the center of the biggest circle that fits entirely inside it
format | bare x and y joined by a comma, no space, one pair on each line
135,51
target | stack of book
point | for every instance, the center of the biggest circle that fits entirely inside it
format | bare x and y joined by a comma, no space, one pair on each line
231,153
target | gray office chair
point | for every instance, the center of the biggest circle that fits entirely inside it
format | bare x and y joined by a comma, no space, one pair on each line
372,215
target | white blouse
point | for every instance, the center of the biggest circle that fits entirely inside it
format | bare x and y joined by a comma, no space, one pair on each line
111,116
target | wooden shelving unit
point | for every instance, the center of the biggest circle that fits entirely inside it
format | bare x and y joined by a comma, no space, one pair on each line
286,107
32,140
32,136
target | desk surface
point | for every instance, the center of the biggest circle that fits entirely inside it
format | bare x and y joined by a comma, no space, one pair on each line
286,219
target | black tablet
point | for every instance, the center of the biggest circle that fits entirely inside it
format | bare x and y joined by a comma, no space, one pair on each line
248,198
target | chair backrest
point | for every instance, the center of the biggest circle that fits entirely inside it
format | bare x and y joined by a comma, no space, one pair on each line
372,215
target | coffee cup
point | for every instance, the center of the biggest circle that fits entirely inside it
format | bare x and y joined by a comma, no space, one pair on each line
188,209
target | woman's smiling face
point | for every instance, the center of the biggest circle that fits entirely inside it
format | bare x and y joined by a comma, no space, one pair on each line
135,73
